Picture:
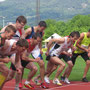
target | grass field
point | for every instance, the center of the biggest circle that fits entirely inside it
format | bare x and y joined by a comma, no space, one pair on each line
76,74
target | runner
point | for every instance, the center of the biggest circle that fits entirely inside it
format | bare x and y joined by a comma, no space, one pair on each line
19,25
27,62
54,55
7,34
10,47
37,52
82,49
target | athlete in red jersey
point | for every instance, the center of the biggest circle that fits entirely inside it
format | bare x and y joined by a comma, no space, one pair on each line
27,62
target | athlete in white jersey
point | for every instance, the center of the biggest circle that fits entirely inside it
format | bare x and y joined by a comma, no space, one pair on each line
61,46
10,47
6,50
7,34
58,48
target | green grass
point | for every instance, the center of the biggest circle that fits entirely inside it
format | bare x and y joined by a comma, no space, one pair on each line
76,74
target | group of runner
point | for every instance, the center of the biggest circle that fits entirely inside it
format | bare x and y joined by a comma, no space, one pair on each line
16,45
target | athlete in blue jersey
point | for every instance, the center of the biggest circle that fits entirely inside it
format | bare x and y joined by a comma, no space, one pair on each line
40,29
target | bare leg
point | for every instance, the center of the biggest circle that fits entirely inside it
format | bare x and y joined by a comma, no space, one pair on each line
18,79
42,70
68,69
86,68
33,69
50,65
4,70
50,68
57,61
20,76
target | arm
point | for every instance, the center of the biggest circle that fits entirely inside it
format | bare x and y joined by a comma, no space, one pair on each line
17,60
28,32
23,34
73,48
5,59
59,41
79,42
26,58
18,63
40,45
3,29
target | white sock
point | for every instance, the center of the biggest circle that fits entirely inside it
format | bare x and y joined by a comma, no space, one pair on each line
26,82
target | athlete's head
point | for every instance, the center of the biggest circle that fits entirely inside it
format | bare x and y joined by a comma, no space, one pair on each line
36,38
74,35
22,44
10,31
42,25
20,22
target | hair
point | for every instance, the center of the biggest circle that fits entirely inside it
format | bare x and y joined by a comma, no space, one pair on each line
22,43
88,30
42,24
35,35
10,28
21,19
74,33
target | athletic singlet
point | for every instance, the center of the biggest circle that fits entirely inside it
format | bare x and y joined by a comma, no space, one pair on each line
7,51
31,34
31,47
59,48
17,34
84,43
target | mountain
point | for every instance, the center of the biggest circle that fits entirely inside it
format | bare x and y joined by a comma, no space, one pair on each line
49,9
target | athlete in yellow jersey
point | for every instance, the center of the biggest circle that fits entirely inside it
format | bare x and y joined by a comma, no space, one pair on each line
82,49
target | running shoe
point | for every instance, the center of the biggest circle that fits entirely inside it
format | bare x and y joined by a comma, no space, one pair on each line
62,78
20,85
43,85
57,82
67,81
46,79
84,79
36,81
29,86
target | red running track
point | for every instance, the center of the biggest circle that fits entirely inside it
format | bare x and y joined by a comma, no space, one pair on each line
75,85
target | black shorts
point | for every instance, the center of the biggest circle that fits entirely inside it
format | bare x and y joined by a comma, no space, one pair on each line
48,57
65,57
13,67
83,55
61,56
24,63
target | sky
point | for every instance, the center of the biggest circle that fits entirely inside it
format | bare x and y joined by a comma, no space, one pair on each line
2,0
